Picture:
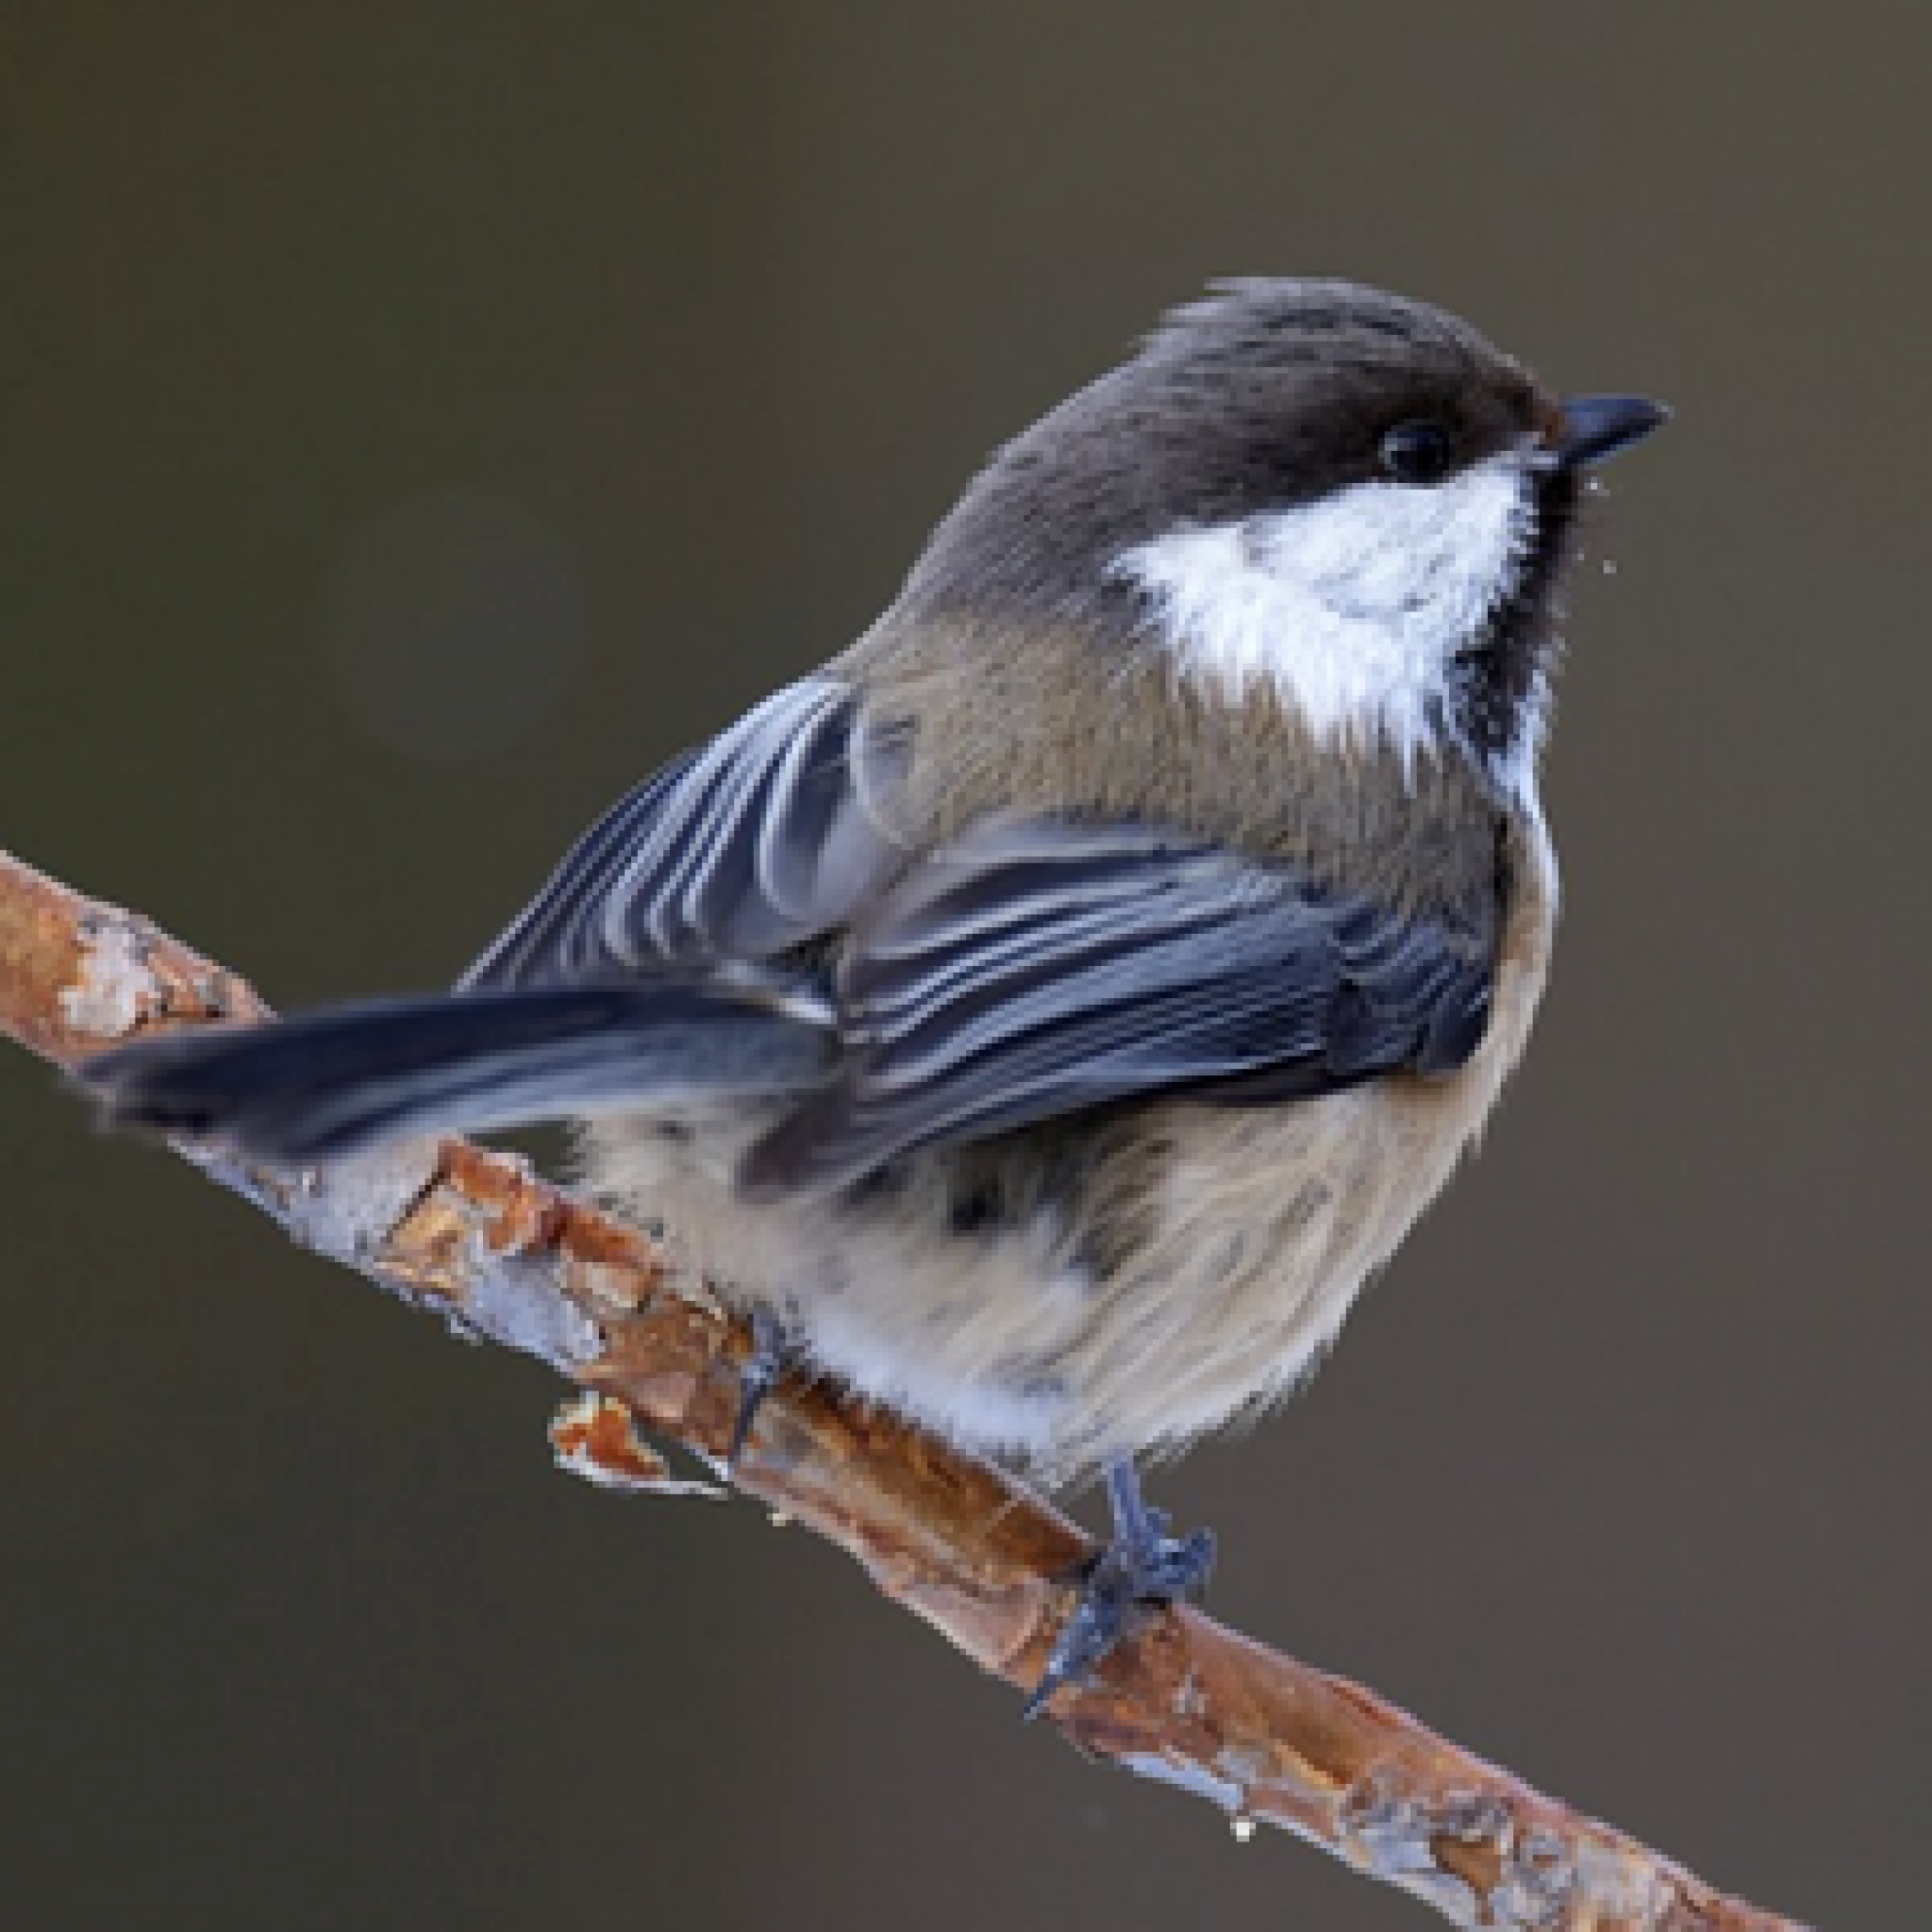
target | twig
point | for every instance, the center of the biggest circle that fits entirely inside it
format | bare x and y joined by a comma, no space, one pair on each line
476,1237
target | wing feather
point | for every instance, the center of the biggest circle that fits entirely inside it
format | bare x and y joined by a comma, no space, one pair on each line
763,841
1030,970
1043,970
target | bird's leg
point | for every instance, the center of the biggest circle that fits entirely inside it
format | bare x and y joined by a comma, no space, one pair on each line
773,1349
1141,1569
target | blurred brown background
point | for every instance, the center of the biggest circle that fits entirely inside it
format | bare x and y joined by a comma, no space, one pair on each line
417,419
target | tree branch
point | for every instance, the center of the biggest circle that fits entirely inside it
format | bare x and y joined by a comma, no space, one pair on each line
499,1253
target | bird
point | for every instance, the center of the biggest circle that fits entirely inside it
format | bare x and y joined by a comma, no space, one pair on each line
1044,1018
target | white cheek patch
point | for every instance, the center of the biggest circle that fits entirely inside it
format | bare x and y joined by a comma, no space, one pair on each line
1352,606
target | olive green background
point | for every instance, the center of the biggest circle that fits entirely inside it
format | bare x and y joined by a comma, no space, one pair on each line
415,421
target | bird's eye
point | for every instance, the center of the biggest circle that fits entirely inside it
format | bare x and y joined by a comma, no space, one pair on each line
1417,452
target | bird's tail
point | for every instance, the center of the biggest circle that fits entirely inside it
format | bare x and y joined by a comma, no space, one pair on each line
324,1085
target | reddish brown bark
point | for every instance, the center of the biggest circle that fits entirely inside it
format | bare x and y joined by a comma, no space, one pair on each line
479,1238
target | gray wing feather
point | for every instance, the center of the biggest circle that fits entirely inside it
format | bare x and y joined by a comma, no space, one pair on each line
1029,970
1041,970
763,841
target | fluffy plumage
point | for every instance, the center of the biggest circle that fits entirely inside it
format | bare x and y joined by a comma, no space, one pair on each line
1057,1007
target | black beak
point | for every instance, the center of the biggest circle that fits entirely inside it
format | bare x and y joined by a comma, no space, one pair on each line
1595,427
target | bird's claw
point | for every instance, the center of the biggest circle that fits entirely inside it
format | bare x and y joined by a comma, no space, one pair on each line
773,1350
1141,1569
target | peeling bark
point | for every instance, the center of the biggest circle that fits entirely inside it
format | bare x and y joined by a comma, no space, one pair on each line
502,1255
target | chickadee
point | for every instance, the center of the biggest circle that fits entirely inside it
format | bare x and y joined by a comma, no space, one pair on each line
1048,1015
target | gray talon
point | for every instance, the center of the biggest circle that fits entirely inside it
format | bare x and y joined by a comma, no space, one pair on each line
772,1352
1141,1569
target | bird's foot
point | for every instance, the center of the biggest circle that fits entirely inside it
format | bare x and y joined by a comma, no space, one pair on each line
773,1350
1141,1569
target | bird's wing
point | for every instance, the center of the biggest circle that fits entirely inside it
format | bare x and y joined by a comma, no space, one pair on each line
1035,969
764,840
1026,971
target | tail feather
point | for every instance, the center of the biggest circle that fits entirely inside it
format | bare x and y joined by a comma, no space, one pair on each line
327,1084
